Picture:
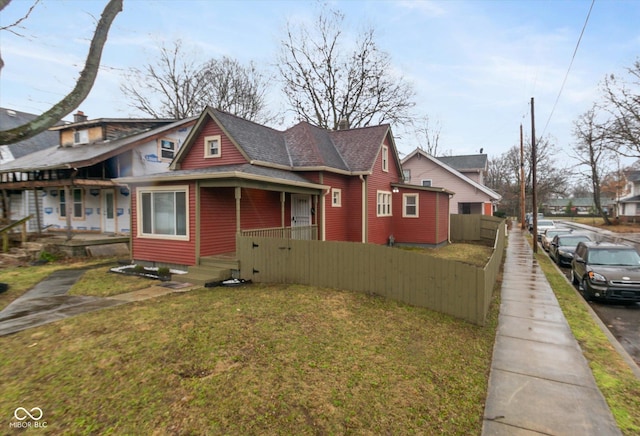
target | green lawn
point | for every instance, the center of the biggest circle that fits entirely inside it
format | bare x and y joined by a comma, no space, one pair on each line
258,359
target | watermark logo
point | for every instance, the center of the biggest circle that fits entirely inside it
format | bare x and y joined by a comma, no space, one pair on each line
28,418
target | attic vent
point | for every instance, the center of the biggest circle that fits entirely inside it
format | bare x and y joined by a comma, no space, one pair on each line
11,113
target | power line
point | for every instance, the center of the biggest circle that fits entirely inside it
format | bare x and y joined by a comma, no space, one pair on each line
575,51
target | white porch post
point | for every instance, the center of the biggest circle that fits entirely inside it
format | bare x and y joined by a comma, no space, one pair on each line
238,191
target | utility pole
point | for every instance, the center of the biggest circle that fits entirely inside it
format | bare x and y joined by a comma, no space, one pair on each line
534,198
522,198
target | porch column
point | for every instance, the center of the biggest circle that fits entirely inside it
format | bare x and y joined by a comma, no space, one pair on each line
68,203
38,223
283,198
238,191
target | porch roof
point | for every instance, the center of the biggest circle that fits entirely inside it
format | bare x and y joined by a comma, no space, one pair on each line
230,175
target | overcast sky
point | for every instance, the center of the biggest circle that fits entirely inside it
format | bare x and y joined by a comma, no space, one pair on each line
474,64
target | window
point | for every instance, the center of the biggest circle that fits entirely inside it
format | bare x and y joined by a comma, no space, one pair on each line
406,175
384,203
336,197
426,182
385,158
212,147
77,206
410,205
167,149
163,212
80,136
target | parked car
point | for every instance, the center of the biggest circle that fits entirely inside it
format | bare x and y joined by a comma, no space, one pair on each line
607,271
564,245
529,219
542,226
549,233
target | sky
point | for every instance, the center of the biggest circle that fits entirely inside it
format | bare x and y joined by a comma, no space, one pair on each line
475,65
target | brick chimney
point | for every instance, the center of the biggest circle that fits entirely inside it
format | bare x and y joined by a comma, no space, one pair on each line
79,117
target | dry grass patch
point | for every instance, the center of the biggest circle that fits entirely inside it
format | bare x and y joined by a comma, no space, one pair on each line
469,253
99,282
259,359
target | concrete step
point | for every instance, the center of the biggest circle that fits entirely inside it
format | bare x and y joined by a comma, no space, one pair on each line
220,262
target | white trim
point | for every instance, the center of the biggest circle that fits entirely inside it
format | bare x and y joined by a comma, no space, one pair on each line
416,205
385,158
382,205
336,192
173,150
151,189
207,149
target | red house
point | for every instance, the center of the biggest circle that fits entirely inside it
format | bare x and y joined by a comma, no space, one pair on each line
233,176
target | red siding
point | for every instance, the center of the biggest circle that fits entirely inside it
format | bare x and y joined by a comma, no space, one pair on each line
380,228
422,230
341,221
164,250
217,221
261,209
195,156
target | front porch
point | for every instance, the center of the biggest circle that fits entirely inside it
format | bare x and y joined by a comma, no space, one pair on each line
224,266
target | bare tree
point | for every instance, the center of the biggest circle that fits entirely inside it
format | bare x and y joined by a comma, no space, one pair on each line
179,86
622,98
327,83
429,135
504,175
83,85
591,151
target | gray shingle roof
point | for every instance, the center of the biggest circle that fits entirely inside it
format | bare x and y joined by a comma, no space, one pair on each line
10,119
465,162
304,145
82,155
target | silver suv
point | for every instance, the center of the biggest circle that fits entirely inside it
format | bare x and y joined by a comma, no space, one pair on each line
607,271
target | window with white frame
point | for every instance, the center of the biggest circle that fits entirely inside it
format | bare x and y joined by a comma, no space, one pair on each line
167,148
385,158
410,205
426,182
336,197
212,146
81,136
163,212
406,175
77,200
384,203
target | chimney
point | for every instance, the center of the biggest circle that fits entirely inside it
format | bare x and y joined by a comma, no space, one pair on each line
343,124
79,117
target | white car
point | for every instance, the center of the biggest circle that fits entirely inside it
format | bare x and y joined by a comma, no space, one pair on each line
548,234
544,225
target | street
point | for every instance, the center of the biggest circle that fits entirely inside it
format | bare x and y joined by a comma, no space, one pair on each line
622,320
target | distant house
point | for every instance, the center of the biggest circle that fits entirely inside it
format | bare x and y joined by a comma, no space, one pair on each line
10,119
72,180
233,176
577,205
628,205
463,175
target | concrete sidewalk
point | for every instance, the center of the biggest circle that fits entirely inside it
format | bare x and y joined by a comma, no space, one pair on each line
47,301
540,382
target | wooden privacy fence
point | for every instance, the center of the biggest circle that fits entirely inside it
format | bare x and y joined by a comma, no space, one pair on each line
474,227
450,287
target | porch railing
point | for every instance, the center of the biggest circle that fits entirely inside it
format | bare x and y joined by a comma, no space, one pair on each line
4,231
301,232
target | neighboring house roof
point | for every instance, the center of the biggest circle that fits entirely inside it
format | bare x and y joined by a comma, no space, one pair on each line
634,199
472,162
300,147
632,175
10,119
83,155
436,160
575,202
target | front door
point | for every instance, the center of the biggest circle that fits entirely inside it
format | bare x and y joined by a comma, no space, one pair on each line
300,216
108,211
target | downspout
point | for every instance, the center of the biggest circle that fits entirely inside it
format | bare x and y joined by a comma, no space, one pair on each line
437,235
364,208
238,195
